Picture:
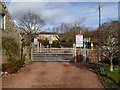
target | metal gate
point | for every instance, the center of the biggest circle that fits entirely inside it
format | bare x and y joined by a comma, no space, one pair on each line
54,54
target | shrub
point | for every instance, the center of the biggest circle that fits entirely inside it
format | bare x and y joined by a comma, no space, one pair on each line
11,46
67,44
12,66
56,44
103,71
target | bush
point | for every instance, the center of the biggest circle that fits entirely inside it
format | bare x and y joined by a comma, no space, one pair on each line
11,46
12,66
67,44
103,71
55,44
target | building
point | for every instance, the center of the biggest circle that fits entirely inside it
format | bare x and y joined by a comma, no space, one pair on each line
2,15
49,36
11,38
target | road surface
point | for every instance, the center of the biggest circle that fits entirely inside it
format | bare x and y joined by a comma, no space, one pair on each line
53,75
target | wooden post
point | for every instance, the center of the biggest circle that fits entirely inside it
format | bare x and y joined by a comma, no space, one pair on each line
40,47
74,52
32,52
50,48
92,46
47,48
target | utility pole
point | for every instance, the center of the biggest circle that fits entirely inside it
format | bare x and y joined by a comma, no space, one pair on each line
99,8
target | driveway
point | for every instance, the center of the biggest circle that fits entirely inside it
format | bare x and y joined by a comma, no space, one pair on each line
53,75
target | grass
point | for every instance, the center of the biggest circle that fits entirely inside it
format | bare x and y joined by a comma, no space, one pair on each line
107,76
115,75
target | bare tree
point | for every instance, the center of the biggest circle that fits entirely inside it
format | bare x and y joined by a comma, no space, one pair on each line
108,40
62,28
111,49
30,23
65,27
55,29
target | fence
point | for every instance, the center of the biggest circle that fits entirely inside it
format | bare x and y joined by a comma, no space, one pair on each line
56,50
91,55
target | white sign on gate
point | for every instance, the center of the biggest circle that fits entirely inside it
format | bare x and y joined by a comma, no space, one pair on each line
50,42
79,40
35,41
37,44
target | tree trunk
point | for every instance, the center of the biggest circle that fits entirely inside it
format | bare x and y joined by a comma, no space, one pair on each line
111,63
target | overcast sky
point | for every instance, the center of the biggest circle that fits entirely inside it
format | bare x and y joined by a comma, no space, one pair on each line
55,13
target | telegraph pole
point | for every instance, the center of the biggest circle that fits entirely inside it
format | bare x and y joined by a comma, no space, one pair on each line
99,8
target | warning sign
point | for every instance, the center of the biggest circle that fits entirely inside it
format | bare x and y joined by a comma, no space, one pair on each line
79,40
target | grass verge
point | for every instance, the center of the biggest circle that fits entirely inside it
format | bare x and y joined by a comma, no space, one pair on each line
108,78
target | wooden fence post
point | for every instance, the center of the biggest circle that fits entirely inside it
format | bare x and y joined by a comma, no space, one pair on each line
32,48
74,52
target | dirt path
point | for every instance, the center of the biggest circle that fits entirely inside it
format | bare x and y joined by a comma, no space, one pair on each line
52,75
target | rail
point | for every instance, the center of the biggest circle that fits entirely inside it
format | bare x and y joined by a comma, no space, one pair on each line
54,50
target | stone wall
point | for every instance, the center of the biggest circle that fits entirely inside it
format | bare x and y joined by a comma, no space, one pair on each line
10,32
26,56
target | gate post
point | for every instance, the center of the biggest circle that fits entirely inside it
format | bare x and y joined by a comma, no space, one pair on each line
99,51
32,48
84,54
40,47
74,52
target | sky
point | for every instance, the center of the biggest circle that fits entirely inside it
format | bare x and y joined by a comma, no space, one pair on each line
65,11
